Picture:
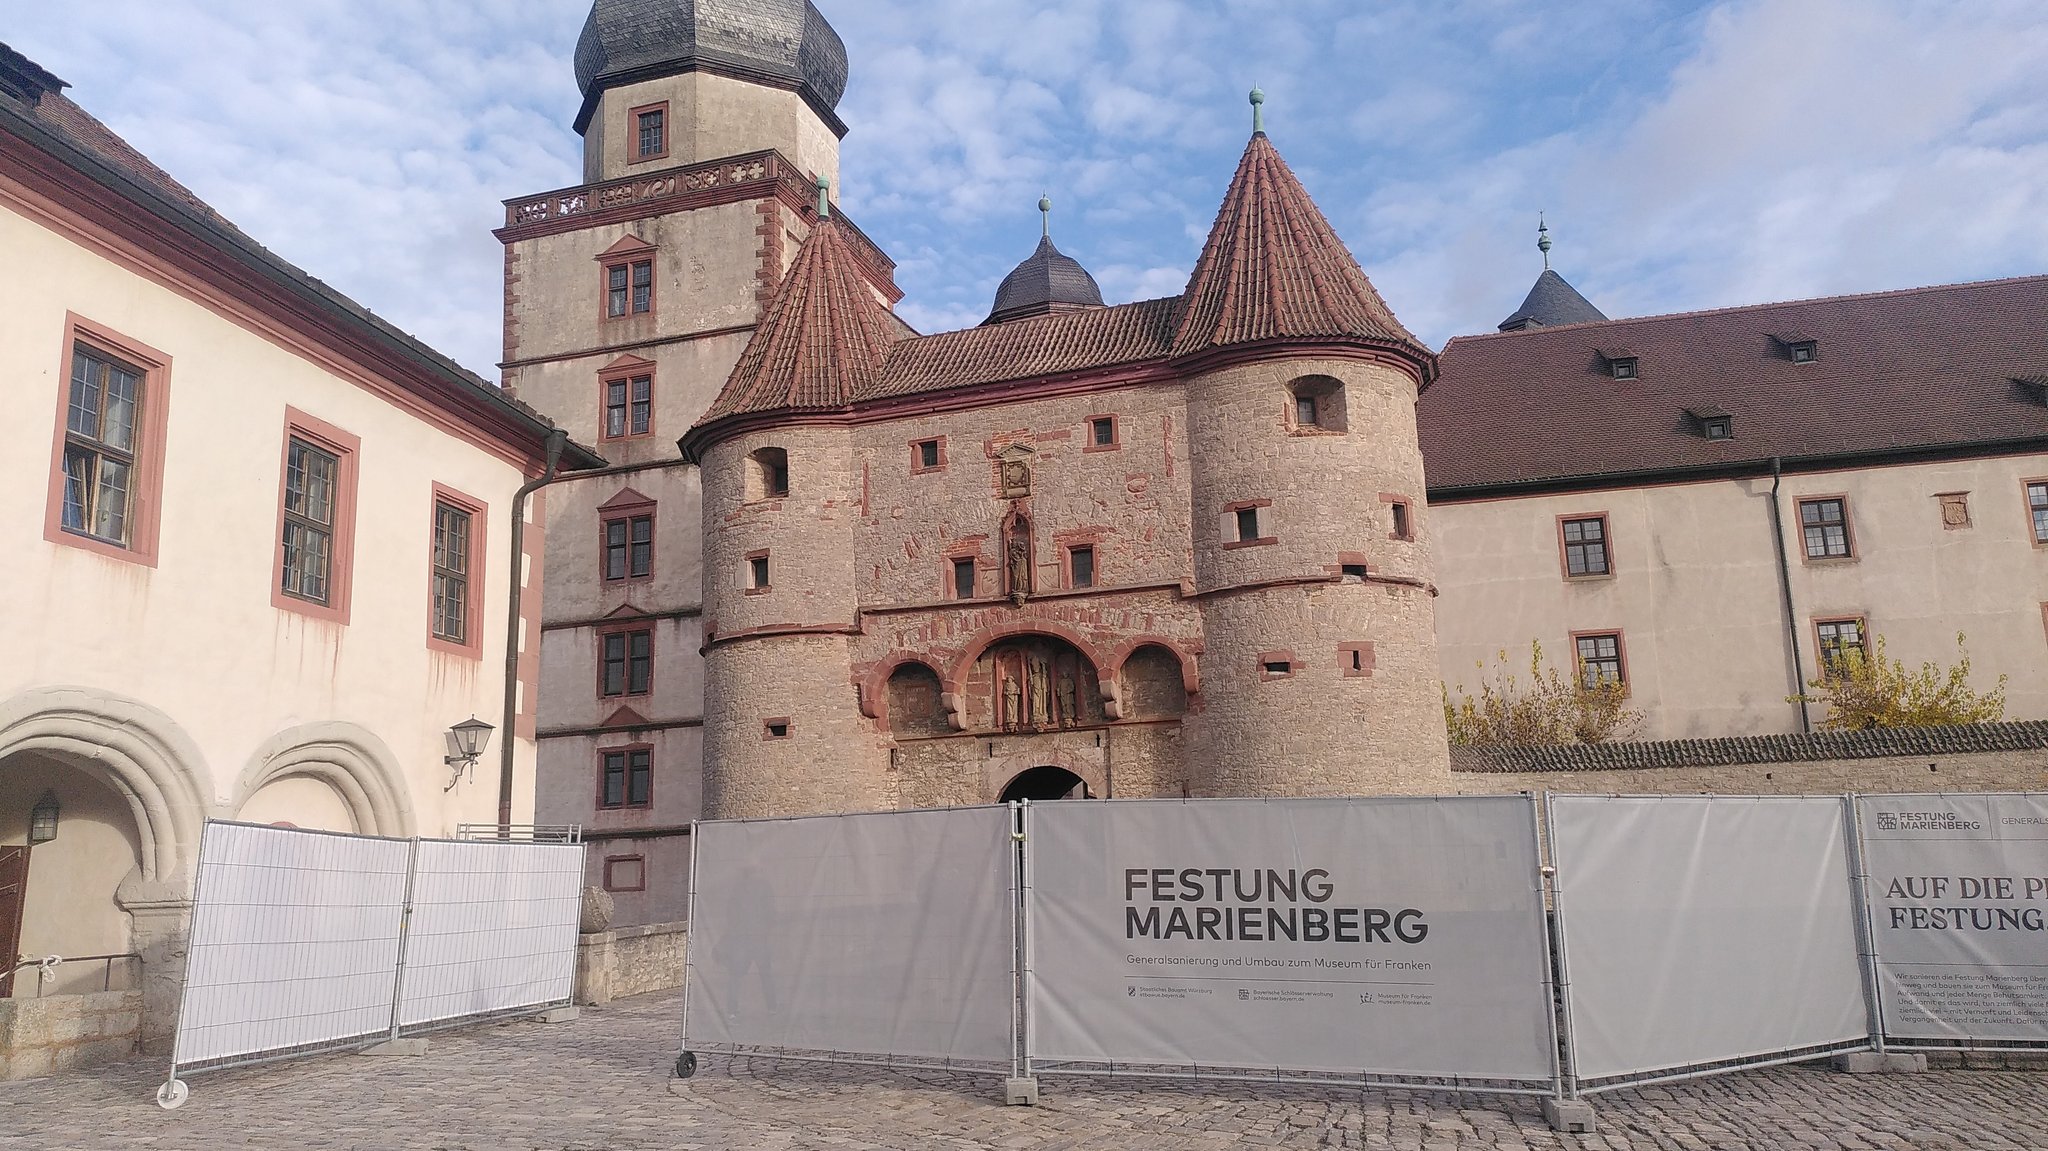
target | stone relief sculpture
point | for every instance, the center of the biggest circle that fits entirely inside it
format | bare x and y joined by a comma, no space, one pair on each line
1035,683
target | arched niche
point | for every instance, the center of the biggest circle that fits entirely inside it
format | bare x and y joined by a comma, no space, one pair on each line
1032,683
1154,684
912,695
350,760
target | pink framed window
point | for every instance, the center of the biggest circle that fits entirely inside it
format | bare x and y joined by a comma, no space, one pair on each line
1602,658
650,131
316,514
625,873
107,463
625,777
629,402
625,662
455,573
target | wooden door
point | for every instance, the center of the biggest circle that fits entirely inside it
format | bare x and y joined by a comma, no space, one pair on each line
13,885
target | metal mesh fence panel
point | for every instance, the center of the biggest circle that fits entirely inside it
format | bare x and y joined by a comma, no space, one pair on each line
493,929
294,943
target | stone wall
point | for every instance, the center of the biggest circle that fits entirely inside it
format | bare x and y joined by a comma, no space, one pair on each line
1979,757
62,1032
629,961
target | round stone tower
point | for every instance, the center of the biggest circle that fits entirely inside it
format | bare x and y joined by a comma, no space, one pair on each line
1319,670
782,500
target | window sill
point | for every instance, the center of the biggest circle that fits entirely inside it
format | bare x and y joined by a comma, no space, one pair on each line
1086,449
1830,561
1602,577
113,551
1262,541
334,614
461,650
757,590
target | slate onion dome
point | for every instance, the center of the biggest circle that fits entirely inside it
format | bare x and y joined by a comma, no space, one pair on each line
1047,282
779,40
1551,301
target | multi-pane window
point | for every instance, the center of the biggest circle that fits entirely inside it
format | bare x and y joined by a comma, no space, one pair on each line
963,578
1826,527
628,406
451,572
928,453
629,289
1841,643
1599,660
1585,547
629,548
310,477
628,664
1305,411
99,446
628,778
653,128
1102,431
2037,506
1081,566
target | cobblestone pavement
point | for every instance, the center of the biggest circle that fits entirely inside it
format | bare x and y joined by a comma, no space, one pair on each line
600,1084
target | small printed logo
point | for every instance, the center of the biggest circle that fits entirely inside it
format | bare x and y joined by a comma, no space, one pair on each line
1131,990
1244,993
1887,821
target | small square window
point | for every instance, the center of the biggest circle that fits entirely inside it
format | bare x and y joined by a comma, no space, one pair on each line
757,573
963,578
1247,524
1720,427
1623,368
1804,351
928,454
1305,411
1081,566
1276,665
1102,431
775,728
1357,572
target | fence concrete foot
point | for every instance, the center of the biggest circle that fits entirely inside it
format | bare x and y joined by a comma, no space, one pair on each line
397,1047
1020,1092
1571,1116
560,1014
1880,1062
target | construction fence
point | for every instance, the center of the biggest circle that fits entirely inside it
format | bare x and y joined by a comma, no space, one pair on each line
1557,945
309,941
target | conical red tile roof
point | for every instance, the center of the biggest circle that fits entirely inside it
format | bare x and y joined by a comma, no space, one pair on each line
821,342
1274,269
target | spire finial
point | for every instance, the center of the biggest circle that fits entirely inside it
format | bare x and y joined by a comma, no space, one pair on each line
1543,240
1045,216
824,198
1258,111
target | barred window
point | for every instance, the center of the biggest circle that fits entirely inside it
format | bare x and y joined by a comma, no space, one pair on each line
309,498
451,572
628,779
1600,660
628,663
99,446
629,548
1585,547
1826,526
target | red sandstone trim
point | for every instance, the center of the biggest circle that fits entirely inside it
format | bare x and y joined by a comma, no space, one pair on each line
917,467
2027,510
1564,564
1186,651
347,450
954,679
626,369
1299,581
626,785
472,646
1620,653
145,507
1356,659
627,346
611,861
1267,659
1407,505
626,625
1116,433
633,132
1848,529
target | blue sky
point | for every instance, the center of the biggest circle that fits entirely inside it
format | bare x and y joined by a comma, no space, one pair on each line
1688,155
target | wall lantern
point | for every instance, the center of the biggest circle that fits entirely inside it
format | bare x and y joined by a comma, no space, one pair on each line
42,819
466,743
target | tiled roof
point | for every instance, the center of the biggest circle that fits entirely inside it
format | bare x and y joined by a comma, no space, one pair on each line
821,342
1047,281
1552,302
1031,348
784,38
1878,743
1273,268
1919,370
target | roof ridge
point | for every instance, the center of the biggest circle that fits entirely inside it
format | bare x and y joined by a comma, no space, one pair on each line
1732,308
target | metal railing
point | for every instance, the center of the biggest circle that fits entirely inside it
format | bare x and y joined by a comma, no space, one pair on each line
522,832
46,967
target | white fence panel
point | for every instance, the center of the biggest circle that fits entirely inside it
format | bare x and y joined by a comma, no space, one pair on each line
493,929
294,942
1385,936
1705,929
891,934
1958,894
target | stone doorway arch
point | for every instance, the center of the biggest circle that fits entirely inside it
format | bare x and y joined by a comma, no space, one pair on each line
1046,782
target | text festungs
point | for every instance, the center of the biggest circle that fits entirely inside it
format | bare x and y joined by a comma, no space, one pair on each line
1258,914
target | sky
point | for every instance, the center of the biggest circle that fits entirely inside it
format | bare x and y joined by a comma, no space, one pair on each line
1685,155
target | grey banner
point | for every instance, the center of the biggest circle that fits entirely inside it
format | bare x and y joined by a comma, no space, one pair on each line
883,934
1701,929
1385,936
1958,891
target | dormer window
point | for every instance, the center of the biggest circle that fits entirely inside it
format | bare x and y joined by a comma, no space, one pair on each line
1622,365
1318,404
2036,387
1712,422
1799,347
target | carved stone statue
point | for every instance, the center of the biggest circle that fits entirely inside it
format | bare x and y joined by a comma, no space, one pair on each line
1070,713
1041,690
1013,702
1020,566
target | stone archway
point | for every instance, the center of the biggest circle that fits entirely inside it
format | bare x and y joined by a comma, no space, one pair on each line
349,759
1045,782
